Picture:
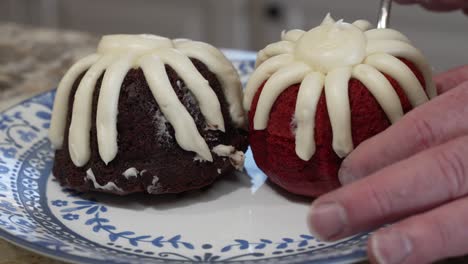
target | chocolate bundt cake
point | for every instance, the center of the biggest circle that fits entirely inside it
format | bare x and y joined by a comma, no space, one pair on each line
148,114
316,95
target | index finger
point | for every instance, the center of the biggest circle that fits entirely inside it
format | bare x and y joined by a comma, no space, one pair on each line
417,184
451,79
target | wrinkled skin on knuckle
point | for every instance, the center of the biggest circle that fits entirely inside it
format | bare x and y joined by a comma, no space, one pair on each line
425,133
379,198
452,163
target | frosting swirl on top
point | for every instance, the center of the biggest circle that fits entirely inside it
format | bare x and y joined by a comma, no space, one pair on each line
325,59
116,55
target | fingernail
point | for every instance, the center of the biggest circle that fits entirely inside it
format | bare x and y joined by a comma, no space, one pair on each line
327,220
390,247
344,174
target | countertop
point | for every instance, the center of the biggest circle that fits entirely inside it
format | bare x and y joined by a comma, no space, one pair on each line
33,61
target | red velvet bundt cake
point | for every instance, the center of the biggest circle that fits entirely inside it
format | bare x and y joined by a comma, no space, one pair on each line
148,114
316,95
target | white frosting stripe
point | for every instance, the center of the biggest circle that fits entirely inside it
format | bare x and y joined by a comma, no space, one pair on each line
200,88
107,108
363,24
143,43
386,34
381,89
405,50
328,20
332,46
227,75
274,49
402,74
278,82
292,35
60,110
186,132
79,142
306,108
261,74
339,109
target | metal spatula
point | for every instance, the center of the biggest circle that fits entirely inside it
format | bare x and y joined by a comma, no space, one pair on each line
384,13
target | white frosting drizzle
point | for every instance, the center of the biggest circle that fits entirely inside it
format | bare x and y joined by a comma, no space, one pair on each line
292,35
273,50
402,74
130,172
304,116
58,122
79,141
110,186
223,150
330,46
405,50
338,51
328,20
186,132
107,107
143,43
117,54
206,97
262,73
386,34
339,109
363,24
227,75
275,85
381,89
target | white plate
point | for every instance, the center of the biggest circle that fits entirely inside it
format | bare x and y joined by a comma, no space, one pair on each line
239,219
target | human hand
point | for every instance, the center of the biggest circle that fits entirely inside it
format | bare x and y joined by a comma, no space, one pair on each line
439,5
414,174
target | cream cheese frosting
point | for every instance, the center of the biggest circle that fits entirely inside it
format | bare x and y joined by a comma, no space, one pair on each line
325,59
115,56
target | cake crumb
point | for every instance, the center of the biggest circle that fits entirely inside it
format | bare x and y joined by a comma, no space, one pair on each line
130,172
155,186
199,158
237,158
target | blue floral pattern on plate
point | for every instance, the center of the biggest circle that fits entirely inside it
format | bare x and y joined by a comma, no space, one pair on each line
36,213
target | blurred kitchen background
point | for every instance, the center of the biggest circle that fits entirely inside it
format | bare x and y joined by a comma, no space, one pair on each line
240,24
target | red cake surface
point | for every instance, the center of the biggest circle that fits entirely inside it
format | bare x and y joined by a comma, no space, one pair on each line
274,147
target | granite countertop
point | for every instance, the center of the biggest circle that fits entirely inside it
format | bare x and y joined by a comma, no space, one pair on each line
33,61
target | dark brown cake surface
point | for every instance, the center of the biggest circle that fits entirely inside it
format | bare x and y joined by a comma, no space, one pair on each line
147,144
